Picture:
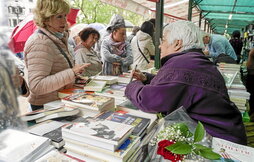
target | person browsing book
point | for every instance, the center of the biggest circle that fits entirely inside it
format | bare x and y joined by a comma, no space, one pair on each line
115,51
188,78
142,46
48,60
84,52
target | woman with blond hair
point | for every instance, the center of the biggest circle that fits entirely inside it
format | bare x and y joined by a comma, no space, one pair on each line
47,57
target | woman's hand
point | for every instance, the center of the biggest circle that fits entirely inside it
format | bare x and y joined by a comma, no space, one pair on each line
137,74
79,69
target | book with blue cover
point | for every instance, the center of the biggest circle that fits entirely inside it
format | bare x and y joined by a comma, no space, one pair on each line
139,123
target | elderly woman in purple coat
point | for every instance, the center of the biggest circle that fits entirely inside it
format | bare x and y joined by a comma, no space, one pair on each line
187,78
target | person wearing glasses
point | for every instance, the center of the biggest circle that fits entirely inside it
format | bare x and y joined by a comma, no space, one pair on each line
188,78
85,53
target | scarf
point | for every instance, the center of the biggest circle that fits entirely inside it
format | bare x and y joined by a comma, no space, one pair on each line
118,48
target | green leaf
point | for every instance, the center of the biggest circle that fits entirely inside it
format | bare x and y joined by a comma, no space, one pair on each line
209,154
201,147
184,129
199,132
180,148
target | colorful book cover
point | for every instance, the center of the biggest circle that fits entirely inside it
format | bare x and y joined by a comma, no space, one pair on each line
89,101
139,123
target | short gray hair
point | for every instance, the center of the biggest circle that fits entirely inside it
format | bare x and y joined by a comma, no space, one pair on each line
186,31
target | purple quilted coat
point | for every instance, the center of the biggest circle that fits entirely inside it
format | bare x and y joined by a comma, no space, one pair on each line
190,80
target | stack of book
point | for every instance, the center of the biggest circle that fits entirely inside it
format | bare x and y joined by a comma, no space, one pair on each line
22,146
249,128
109,79
98,139
139,123
116,91
92,102
236,90
56,156
44,114
49,129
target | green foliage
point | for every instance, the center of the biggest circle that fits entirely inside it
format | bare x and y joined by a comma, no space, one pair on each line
184,130
184,147
199,132
180,148
95,11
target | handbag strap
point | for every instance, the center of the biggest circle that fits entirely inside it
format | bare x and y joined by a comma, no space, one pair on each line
142,53
59,48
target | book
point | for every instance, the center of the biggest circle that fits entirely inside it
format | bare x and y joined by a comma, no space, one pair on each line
53,105
50,129
108,79
101,133
33,115
232,151
55,156
90,101
56,137
22,146
61,112
66,92
121,154
133,110
139,123
95,85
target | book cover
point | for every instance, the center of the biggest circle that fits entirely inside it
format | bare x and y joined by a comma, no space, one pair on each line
67,92
95,85
57,113
131,109
53,105
90,101
21,146
103,131
121,116
33,115
121,154
232,151
108,79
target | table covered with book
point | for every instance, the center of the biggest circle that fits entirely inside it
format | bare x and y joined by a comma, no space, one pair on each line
98,123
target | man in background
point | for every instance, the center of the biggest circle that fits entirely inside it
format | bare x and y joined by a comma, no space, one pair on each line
219,48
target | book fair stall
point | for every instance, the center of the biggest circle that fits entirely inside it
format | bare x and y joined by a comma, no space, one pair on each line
96,121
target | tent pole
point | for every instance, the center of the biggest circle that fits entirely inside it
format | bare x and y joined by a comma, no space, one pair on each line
190,10
158,31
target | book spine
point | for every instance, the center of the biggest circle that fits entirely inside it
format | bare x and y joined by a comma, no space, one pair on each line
86,140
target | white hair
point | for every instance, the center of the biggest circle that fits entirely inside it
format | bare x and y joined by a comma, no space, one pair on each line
186,31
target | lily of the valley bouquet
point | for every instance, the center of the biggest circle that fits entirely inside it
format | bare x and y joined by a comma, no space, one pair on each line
181,139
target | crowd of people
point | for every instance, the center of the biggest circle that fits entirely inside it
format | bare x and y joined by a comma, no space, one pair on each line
187,77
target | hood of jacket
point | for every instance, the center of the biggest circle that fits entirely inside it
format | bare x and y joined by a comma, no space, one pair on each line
142,36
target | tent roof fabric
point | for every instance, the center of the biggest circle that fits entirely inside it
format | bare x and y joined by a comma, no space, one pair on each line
218,12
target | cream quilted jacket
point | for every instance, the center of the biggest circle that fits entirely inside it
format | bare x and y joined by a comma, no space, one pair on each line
48,70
